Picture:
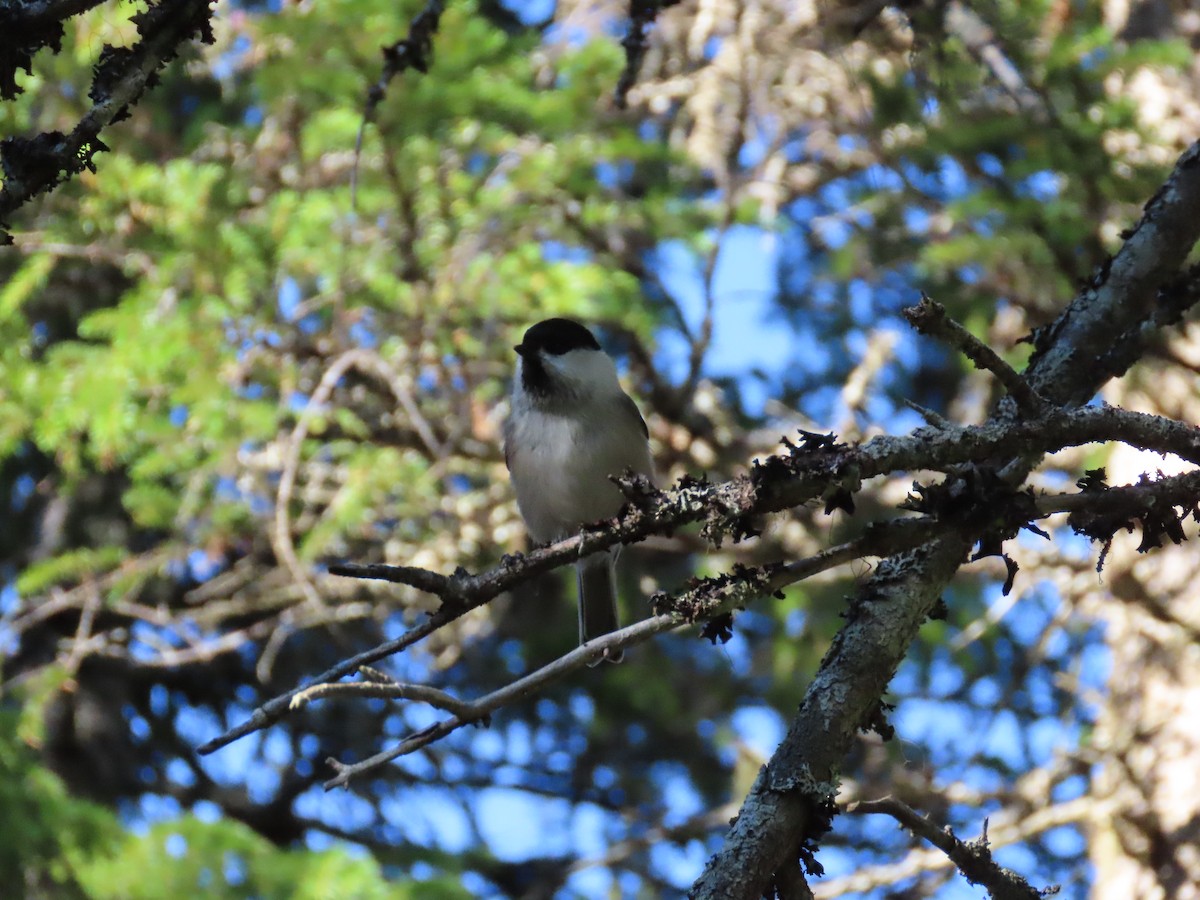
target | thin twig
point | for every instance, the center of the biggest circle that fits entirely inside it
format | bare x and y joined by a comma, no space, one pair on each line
523,687
698,826
981,41
972,858
394,691
281,534
703,338
376,364
879,352
1157,495
930,318
937,420
120,257
284,629
363,360
924,859
87,619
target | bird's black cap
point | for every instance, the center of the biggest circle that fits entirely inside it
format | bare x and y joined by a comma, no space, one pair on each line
556,337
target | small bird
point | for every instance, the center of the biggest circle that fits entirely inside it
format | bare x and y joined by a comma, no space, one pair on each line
571,427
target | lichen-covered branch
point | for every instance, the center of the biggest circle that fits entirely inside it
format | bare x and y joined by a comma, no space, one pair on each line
31,166
26,27
704,600
708,599
1003,830
972,858
817,468
1102,332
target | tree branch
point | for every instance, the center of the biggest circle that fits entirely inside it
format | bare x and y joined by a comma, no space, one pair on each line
921,860
1109,322
1129,299
804,473
972,858
481,709
930,318
707,598
33,166
27,27
391,690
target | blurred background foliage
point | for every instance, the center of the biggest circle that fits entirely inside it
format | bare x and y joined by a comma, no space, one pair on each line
223,369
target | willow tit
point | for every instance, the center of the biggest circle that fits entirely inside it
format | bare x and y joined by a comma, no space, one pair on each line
571,427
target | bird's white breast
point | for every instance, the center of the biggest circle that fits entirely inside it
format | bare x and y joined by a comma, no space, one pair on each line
560,464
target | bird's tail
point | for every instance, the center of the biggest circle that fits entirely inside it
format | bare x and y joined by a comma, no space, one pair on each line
598,601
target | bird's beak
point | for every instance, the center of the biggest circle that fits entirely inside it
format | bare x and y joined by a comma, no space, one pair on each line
520,348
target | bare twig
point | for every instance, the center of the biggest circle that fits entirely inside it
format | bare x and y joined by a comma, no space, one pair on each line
284,629
972,858
698,826
930,318
123,257
981,41
702,340
1001,834
393,691
87,620
363,360
281,534
933,418
482,708
374,363
878,354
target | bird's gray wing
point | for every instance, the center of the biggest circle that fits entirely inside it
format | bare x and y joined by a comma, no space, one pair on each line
631,408
508,445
